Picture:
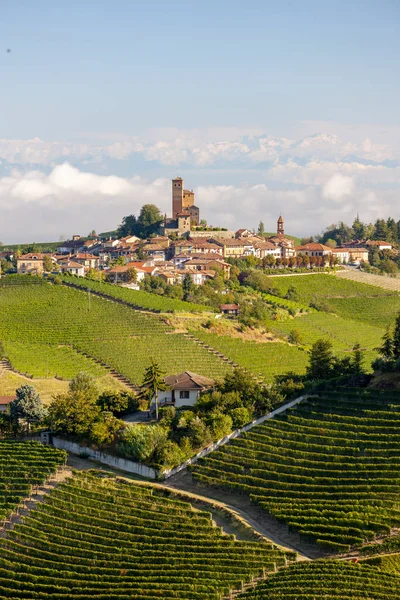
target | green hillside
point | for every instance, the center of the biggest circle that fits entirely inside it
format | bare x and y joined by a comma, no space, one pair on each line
329,468
93,537
47,330
329,580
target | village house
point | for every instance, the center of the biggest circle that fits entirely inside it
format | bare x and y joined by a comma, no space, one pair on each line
5,401
231,310
88,260
342,255
201,246
154,251
122,273
243,233
263,249
182,390
358,255
378,244
314,249
31,263
171,277
235,248
72,267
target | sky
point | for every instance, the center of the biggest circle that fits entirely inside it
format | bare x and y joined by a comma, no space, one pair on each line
262,106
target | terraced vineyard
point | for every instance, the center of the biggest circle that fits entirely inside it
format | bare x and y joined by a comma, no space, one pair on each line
328,580
324,286
138,298
22,466
265,360
93,537
43,319
343,333
378,311
41,360
329,468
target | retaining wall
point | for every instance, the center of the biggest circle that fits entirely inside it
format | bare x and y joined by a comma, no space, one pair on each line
107,459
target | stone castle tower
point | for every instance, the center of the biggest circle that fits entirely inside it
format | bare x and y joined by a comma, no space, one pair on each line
280,230
183,201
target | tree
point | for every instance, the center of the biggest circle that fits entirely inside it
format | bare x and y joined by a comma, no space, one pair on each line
132,275
153,383
381,230
149,220
220,425
188,286
47,263
359,229
117,402
27,405
129,226
396,338
357,360
261,229
321,360
386,350
75,412
141,442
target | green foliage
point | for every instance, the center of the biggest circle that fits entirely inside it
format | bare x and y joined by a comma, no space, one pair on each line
327,579
240,416
75,412
47,329
186,556
328,468
27,405
220,425
117,402
143,226
321,360
24,465
143,442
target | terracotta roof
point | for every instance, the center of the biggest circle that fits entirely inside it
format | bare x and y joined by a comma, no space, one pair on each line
6,400
33,256
229,307
377,243
70,264
280,220
188,381
314,246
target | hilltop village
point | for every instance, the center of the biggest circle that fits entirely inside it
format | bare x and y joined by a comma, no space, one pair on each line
183,245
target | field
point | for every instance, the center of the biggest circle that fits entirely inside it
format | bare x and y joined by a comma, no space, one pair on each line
46,330
265,360
138,298
379,311
324,286
22,466
329,580
328,469
93,537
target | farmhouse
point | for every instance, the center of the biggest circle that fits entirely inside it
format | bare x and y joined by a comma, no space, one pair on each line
30,263
342,255
314,249
183,390
5,401
230,309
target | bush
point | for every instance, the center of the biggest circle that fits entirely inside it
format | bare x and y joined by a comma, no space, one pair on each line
142,442
220,425
240,417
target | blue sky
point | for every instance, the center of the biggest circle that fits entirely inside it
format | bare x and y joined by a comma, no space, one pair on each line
86,75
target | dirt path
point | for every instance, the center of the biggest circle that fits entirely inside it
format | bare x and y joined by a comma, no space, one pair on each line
387,283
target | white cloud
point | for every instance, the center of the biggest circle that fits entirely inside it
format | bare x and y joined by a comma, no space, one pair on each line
338,187
39,206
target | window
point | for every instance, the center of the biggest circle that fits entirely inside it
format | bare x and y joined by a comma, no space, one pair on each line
184,394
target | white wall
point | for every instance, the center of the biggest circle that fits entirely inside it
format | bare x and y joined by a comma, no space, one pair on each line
106,459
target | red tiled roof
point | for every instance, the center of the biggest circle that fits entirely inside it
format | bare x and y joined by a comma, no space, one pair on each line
6,400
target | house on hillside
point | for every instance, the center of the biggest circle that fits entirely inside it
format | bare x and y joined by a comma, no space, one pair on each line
5,401
358,255
231,310
30,263
72,267
314,249
183,390
342,255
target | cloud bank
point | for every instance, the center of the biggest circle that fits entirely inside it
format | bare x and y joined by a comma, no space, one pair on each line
39,206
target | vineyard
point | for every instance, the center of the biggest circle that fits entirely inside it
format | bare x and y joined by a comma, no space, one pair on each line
328,469
378,311
323,287
46,329
265,360
93,537
137,298
327,579
22,466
